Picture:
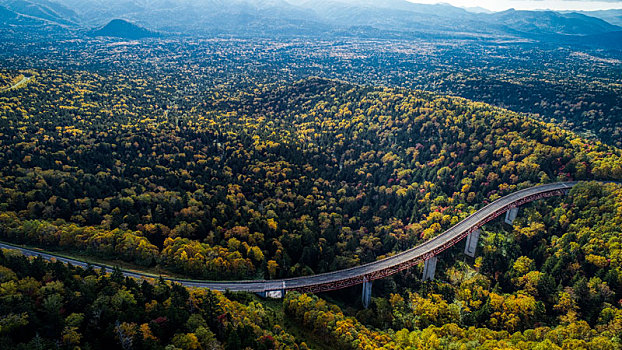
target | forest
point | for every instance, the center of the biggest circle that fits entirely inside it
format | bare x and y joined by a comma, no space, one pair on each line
54,306
290,180
191,159
577,88
549,298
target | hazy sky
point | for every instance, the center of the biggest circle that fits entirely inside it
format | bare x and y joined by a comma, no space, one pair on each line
498,5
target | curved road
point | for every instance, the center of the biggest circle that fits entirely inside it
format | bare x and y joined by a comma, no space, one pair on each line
367,272
18,84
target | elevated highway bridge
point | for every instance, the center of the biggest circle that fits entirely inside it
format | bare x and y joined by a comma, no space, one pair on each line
365,274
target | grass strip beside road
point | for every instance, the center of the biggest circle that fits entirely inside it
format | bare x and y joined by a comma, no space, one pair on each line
277,313
18,84
153,272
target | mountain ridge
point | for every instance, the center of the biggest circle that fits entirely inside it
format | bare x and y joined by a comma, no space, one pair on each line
385,18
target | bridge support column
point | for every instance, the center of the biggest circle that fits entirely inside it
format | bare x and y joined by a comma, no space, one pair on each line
366,298
429,268
471,243
510,216
274,293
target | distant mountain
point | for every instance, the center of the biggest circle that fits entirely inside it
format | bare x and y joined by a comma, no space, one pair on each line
477,9
319,18
49,11
612,16
402,15
202,16
16,26
8,16
395,15
100,12
119,28
550,22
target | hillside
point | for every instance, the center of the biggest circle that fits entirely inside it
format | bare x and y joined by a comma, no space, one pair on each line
289,179
549,22
49,11
319,176
612,16
119,28
11,18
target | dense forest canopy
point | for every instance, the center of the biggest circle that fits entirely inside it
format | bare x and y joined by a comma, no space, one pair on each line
578,88
563,294
261,158
279,181
53,306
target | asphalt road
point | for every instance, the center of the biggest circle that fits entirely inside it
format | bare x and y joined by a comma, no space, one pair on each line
336,279
18,84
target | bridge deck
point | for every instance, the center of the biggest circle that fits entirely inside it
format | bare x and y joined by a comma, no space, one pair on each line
382,268
374,270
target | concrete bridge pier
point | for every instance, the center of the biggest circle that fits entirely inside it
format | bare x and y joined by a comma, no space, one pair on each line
471,243
274,293
366,298
511,215
429,268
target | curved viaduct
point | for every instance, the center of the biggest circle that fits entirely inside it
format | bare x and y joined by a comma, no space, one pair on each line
365,274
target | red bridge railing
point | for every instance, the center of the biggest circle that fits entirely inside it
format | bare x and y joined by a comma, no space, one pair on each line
401,266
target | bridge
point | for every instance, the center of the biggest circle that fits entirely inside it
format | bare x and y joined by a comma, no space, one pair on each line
426,252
